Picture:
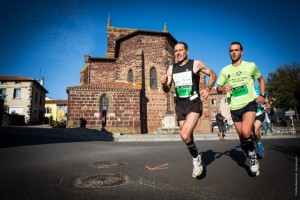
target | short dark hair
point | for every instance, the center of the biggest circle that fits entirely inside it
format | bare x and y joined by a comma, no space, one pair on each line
184,44
236,42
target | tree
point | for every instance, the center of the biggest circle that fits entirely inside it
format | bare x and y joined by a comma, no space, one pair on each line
284,86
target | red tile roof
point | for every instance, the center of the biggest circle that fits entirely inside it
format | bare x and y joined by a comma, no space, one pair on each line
21,78
113,85
15,78
58,102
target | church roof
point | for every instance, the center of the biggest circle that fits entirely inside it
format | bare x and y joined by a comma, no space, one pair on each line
148,32
112,85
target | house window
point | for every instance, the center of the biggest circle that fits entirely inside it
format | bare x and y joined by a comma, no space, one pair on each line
36,96
214,102
3,93
104,103
17,93
41,100
48,110
130,76
153,82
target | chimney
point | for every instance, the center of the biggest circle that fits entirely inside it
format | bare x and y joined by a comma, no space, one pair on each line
42,81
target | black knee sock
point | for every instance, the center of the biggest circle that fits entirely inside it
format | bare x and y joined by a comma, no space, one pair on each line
192,148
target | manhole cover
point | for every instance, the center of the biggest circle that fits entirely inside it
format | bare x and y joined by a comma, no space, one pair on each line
107,164
101,181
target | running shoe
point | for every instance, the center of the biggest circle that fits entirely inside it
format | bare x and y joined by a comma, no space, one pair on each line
197,167
260,150
254,165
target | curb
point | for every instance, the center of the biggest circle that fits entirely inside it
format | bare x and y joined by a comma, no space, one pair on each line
198,137
96,135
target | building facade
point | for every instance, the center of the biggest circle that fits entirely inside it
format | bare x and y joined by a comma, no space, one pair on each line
24,96
127,82
219,102
57,109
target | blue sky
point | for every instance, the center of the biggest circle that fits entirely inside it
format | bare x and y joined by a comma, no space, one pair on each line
50,37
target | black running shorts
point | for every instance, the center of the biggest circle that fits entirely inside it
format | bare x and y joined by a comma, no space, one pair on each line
183,108
237,115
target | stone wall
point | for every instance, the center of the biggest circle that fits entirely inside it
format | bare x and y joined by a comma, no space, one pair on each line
115,33
141,54
123,111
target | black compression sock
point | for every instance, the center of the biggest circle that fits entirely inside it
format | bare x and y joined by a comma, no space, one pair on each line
192,148
250,144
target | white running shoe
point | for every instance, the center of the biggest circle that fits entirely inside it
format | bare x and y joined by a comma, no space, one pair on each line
254,165
197,167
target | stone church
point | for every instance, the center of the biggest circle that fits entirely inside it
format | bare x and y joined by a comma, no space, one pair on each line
126,82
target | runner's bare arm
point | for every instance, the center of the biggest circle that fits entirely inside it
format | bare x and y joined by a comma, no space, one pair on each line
166,80
200,66
262,87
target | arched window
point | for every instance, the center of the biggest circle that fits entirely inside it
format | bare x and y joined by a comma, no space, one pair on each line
104,103
153,81
130,76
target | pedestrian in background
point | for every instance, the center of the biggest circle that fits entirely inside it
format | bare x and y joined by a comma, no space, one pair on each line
267,125
103,118
221,125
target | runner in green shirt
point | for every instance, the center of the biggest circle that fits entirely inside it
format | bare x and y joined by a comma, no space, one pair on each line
237,80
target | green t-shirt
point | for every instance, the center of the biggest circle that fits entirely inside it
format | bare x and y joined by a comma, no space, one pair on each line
241,79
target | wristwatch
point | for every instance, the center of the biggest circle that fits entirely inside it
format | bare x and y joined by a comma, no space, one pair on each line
263,95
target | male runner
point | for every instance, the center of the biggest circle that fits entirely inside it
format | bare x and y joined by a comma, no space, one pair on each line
237,79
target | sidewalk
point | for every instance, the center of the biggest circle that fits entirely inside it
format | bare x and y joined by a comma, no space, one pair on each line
92,134
197,136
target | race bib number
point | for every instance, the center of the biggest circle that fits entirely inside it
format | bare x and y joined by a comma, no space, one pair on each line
184,92
240,91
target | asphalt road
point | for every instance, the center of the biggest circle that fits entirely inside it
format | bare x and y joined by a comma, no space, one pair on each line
55,168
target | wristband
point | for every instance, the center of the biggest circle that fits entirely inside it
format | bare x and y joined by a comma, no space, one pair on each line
263,95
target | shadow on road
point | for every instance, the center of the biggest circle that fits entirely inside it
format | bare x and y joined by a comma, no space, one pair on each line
210,156
237,156
21,136
288,150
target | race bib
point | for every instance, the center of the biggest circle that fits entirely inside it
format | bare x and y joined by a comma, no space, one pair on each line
183,79
183,84
184,92
239,91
